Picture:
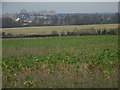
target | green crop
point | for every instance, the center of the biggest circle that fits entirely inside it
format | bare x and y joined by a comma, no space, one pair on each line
76,61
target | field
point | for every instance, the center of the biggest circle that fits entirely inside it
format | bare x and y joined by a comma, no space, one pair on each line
61,62
49,29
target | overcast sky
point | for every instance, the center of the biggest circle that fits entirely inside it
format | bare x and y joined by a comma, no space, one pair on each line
61,7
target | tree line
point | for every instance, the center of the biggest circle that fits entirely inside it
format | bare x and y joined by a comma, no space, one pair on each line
70,19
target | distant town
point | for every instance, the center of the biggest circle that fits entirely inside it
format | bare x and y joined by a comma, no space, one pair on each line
28,17
51,18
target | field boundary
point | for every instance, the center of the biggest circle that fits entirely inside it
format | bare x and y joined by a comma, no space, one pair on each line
44,36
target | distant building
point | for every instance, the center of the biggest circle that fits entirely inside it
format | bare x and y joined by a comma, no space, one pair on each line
17,19
52,12
23,11
44,12
29,20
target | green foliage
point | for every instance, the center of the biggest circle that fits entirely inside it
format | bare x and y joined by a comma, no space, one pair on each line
63,34
104,59
67,59
54,33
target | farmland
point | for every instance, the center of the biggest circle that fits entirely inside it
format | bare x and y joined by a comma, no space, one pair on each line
55,62
49,29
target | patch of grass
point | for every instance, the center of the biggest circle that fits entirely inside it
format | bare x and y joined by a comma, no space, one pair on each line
75,62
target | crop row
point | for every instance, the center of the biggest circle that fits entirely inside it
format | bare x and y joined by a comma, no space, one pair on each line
105,60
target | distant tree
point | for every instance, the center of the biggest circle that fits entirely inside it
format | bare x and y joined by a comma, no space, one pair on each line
54,33
62,33
99,32
114,18
104,32
54,21
8,22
